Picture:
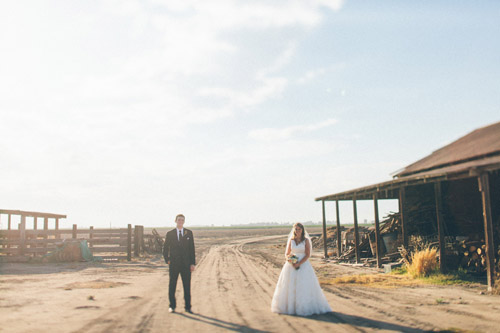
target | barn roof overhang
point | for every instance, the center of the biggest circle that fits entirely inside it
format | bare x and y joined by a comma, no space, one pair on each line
390,189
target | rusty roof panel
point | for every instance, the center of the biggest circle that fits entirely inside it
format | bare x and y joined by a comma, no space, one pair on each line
480,143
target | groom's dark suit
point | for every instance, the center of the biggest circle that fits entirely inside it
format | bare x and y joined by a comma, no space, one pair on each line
179,251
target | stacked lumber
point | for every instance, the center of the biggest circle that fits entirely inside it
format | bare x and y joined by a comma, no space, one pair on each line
473,256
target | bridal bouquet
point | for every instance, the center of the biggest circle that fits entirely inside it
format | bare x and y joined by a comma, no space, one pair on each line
293,259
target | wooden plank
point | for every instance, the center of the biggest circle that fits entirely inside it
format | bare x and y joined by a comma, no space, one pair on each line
31,214
35,222
404,227
111,231
117,236
356,230
484,188
97,241
101,249
377,230
339,234
324,230
74,231
91,236
439,219
129,243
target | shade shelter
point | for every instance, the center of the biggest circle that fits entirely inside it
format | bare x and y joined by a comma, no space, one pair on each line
461,180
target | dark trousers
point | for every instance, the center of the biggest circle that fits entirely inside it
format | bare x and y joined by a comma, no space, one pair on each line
185,273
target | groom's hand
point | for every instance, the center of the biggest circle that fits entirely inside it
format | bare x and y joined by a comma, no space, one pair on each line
191,268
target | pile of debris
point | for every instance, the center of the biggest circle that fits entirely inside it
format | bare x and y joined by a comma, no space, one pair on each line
389,231
153,243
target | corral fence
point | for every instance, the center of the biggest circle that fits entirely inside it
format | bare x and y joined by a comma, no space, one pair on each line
24,242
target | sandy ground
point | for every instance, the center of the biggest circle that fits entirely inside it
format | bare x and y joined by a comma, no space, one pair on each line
232,289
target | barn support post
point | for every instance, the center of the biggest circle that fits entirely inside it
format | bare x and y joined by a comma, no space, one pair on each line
324,229
440,221
377,230
339,234
484,188
356,230
404,227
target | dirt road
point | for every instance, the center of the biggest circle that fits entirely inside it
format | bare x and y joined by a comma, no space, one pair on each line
232,289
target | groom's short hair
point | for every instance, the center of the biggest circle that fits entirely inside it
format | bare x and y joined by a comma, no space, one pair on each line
179,215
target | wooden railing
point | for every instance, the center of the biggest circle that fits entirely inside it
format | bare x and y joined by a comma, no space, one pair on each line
23,243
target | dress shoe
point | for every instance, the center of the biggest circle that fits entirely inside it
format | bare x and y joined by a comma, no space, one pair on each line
171,310
189,311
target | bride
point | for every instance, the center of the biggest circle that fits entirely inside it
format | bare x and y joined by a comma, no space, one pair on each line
298,290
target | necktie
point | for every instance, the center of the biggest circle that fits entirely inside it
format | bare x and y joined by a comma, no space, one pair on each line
179,236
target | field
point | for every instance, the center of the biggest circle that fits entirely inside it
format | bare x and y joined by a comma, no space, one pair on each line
232,289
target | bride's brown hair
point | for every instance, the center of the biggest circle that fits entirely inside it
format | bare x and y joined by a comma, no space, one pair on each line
303,236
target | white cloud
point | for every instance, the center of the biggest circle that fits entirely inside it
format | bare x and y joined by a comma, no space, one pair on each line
271,134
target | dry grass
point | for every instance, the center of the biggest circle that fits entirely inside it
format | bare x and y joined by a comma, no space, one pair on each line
423,263
373,280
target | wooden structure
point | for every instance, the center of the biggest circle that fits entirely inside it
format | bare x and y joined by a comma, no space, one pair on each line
462,180
22,243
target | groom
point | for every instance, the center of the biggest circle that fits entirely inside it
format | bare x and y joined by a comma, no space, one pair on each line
178,252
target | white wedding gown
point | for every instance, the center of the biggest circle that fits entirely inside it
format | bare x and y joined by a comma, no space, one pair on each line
298,291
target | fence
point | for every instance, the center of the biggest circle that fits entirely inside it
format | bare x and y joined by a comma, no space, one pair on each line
20,244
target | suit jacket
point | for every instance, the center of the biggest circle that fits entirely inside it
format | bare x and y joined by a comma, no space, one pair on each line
179,252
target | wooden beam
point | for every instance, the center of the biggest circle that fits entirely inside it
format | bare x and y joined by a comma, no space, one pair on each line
484,188
356,230
35,223
325,247
129,243
31,214
91,236
22,235
402,212
57,228
339,235
439,218
136,242
377,231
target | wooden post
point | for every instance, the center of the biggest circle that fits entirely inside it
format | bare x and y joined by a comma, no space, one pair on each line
439,219
356,231
58,235
22,235
45,229
377,231
136,241
34,223
339,233
484,187
404,228
141,238
129,243
324,229
8,228
74,231
91,236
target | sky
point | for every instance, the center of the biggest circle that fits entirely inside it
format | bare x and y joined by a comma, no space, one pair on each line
228,111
